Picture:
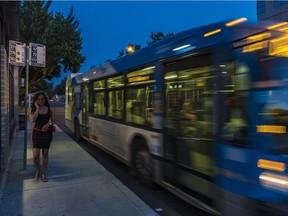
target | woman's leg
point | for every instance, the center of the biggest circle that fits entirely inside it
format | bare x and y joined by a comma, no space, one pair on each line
36,158
45,163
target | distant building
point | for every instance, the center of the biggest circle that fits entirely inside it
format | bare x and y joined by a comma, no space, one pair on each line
272,10
9,82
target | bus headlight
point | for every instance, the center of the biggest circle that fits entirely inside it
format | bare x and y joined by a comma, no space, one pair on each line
274,181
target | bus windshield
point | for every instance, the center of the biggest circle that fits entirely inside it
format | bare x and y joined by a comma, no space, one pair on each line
272,102
272,119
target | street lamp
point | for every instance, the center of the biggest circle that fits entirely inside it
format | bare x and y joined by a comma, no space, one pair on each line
130,49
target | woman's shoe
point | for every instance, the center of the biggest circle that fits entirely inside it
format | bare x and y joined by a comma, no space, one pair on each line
44,178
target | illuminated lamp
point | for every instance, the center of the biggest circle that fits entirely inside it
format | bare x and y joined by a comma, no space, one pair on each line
130,49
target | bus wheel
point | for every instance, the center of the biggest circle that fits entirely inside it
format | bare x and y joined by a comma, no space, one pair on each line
143,164
77,130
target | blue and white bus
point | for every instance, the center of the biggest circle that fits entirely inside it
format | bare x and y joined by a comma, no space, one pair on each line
203,113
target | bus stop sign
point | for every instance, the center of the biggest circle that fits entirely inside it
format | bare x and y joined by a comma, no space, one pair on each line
17,53
37,55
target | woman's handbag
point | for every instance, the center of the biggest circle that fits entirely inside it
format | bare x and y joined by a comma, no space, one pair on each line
53,128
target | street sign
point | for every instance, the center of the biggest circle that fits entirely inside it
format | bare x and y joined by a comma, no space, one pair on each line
37,55
17,53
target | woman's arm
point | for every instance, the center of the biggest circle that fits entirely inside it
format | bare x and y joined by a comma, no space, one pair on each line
52,117
34,116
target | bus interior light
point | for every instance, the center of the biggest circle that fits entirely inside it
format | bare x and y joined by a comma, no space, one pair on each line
278,47
279,129
212,32
85,79
236,22
181,47
271,165
171,77
281,24
148,68
284,29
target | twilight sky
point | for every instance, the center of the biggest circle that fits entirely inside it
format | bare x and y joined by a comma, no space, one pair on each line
109,26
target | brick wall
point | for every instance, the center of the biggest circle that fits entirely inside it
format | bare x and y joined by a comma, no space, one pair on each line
4,104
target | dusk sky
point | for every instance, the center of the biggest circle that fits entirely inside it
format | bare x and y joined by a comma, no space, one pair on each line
109,26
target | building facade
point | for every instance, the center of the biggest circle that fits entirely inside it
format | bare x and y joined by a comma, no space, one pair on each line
9,82
276,10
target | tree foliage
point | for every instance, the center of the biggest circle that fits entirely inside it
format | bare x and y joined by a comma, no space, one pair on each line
155,37
61,36
60,89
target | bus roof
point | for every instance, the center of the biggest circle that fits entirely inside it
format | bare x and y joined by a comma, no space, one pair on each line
197,39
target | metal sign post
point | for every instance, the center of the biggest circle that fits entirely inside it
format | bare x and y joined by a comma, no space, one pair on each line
26,109
35,56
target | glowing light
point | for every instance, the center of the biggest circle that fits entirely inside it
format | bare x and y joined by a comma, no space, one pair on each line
276,25
271,165
258,37
274,181
181,47
256,46
148,68
236,22
138,79
85,79
212,32
279,47
270,129
171,77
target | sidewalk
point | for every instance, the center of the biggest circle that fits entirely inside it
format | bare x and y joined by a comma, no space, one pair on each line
78,185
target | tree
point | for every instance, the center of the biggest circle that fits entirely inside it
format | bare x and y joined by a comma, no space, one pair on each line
60,89
60,35
157,37
121,53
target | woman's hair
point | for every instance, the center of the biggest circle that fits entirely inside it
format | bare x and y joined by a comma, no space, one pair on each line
33,107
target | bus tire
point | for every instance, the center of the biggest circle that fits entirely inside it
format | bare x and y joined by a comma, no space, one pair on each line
142,163
77,130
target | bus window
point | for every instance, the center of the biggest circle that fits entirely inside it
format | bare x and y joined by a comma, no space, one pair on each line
115,104
99,107
189,113
115,82
235,82
115,97
70,94
140,94
135,106
139,105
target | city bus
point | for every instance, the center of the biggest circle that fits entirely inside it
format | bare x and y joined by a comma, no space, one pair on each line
202,113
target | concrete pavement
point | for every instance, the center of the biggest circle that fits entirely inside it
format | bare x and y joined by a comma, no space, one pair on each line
78,185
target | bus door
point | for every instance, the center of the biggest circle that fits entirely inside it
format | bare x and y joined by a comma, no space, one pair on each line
189,122
85,110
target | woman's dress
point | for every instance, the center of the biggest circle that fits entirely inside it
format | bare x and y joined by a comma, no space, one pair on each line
42,140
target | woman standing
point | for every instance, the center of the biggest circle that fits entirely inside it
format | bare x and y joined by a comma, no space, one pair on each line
42,135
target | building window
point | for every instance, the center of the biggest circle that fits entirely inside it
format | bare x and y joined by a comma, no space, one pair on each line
260,7
277,3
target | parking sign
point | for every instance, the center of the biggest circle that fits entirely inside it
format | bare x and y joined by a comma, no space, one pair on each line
37,55
17,53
